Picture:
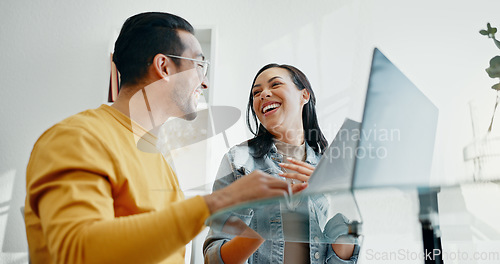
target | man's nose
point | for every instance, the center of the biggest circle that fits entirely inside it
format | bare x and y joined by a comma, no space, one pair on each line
204,83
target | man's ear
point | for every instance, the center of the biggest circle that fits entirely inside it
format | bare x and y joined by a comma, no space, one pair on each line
162,66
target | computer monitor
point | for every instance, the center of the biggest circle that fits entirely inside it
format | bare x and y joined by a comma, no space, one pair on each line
397,132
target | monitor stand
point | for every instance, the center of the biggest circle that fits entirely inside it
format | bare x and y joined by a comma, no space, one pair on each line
429,219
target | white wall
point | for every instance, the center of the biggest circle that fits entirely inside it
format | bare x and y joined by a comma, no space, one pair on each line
54,63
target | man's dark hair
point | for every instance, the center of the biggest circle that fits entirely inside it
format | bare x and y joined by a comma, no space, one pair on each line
263,139
142,37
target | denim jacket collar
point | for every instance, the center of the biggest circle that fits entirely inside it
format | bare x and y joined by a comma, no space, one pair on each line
311,156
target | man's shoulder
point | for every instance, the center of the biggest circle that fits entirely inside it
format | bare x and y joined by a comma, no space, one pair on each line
89,116
80,123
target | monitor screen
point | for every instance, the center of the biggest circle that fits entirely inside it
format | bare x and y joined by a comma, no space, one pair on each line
396,140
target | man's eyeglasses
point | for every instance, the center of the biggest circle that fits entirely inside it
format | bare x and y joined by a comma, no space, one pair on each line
203,64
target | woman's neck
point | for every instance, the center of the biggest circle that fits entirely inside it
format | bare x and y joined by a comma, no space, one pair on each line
290,136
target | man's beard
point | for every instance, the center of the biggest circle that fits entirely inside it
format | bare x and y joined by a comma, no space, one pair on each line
186,85
185,105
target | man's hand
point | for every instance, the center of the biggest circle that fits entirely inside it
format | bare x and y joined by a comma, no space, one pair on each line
254,186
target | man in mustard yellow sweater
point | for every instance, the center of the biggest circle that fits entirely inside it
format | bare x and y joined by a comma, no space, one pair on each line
93,196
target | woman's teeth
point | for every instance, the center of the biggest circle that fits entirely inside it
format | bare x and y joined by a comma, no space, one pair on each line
270,107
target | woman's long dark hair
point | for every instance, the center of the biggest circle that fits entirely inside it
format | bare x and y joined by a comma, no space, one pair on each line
262,142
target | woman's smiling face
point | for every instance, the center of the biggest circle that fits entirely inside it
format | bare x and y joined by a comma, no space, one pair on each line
277,102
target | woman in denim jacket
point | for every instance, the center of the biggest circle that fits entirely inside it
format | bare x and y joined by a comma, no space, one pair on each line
287,147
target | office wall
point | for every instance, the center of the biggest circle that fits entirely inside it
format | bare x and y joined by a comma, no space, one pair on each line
54,61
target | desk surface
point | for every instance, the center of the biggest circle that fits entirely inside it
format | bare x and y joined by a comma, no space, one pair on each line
466,214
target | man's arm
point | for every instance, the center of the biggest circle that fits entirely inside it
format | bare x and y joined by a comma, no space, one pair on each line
256,185
78,222
74,194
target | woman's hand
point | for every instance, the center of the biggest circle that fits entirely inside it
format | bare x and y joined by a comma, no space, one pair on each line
302,172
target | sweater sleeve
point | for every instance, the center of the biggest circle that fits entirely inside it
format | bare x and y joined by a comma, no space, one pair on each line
80,229
75,205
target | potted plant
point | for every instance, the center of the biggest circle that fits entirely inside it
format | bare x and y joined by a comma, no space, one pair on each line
494,69
484,152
